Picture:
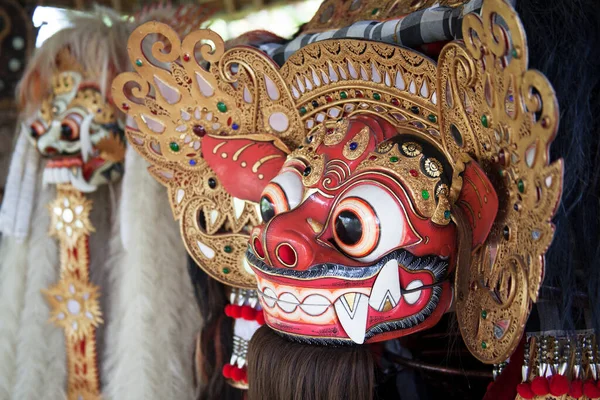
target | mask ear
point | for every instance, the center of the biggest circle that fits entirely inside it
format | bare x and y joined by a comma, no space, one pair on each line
31,89
244,164
479,201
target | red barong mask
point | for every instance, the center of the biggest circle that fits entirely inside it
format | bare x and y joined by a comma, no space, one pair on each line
361,186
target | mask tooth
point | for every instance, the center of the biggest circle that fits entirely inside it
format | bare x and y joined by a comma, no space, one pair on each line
386,288
352,310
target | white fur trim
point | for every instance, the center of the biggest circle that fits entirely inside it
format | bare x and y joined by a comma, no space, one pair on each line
155,318
41,359
13,270
15,214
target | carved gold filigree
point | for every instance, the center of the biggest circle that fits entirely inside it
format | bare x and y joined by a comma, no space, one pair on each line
174,104
420,187
507,124
111,148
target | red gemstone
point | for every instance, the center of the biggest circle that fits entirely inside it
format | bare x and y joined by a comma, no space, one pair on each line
395,102
153,112
286,254
125,106
502,157
328,99
258,248
186,57
414,172
329,131
373,158
229,121
199,130
359,94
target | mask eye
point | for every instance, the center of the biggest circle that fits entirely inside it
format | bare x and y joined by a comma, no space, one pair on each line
36,130
69,129
282,194
356,229
368,222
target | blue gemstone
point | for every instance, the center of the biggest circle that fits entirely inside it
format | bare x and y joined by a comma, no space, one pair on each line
353,146
235,126
192,162
447,214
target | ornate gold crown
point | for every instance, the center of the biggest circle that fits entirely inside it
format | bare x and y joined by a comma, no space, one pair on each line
480,100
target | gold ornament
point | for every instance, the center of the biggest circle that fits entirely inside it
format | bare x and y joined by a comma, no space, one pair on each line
240,93
74,300
480,102
508,127
111,148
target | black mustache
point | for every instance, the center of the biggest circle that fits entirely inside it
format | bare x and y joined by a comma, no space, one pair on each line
432,263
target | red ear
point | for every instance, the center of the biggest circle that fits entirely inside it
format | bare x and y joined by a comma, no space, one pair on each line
244,164
479,201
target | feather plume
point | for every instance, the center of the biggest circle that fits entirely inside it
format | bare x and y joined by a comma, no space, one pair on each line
40,357
156,315
13,268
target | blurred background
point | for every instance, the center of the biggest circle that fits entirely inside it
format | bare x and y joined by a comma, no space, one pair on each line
26,24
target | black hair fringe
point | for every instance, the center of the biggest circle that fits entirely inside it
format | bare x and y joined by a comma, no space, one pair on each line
563,39
216,336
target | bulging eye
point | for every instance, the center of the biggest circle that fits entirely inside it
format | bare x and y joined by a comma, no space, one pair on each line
356,229
69,129
36,130
368,222
282,194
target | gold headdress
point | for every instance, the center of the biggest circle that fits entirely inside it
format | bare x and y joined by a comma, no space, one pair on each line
479,101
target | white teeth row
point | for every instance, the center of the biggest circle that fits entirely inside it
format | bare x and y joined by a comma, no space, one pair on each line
57,175
352,308
314,305
73,176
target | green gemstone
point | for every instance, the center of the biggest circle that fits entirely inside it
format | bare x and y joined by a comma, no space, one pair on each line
425,194
432,118
228,249
501,172
138,62
394,159
174,146
343,95
521,186
447,214
484,345
226,270
375,11
514,53
376,96
221,106
484,314
302,110
484,121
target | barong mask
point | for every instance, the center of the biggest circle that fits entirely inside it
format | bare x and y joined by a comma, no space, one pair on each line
76,128
387,185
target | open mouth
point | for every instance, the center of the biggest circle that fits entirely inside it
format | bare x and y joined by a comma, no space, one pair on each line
397,292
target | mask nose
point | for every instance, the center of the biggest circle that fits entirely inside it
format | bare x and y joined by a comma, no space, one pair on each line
294,251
